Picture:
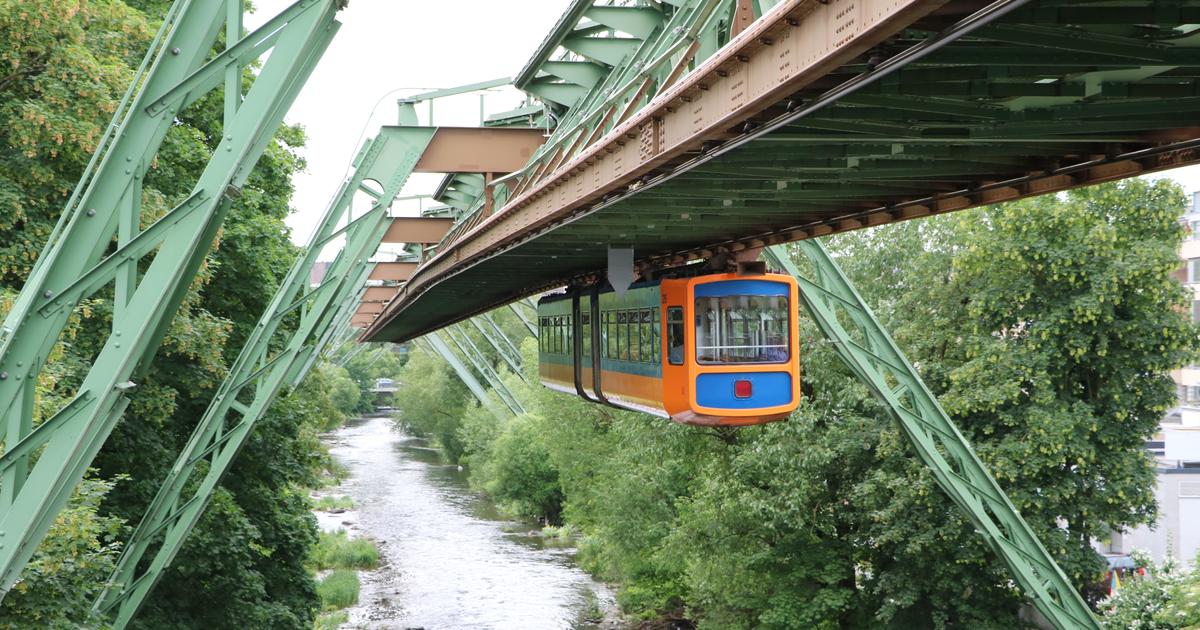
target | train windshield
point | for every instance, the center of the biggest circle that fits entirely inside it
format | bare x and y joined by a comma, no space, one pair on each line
742,329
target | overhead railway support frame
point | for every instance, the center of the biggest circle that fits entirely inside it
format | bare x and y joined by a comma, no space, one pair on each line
273,358
42,464
680,136
872,356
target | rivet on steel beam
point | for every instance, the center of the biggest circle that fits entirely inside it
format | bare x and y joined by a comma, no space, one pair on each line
3,376
91,212
793,21
47,293
175,51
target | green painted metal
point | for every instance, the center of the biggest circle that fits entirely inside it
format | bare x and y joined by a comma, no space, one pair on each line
479,362
500,343
105,203
869,351
265,367
438,346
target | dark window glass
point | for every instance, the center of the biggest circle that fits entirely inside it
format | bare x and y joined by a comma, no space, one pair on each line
656,339
742,329
622,336
675,349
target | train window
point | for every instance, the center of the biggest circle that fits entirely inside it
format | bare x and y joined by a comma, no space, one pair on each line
675,335
541,334
656,338
585,332
645,337
742,329
622,336
559,345
569,338
610,340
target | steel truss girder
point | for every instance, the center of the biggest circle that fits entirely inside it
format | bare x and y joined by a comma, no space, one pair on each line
871,354
388,159
481,365
107,202
439,347
500,343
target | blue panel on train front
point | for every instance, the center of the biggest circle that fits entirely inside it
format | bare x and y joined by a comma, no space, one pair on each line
768,389
741,287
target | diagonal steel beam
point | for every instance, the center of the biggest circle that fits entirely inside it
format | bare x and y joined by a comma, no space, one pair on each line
108,188
871,354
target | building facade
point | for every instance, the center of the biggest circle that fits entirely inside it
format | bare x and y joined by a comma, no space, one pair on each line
1176,447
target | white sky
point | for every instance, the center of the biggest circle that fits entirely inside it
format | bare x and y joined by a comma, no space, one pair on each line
387,49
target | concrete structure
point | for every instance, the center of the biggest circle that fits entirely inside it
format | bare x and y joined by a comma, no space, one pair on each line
1177,445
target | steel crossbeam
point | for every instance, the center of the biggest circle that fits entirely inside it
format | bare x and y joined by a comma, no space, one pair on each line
479,361
257,377
871,354
438,346
500,343
107,203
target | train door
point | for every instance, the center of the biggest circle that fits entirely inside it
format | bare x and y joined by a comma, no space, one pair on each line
675,348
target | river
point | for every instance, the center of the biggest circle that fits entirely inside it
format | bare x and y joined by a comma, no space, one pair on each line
448,559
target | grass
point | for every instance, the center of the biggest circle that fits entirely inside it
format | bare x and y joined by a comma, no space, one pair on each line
329,503
335,550
330,621
338,590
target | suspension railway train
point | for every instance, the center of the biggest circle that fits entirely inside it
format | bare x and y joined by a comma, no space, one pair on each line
729,355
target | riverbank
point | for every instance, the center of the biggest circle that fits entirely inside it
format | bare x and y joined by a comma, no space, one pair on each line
447,557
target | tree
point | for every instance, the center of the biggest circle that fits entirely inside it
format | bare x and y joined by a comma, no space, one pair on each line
65,65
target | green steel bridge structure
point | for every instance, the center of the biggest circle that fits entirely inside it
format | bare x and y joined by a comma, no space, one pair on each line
680,129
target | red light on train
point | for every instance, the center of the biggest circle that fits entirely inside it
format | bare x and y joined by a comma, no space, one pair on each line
743,389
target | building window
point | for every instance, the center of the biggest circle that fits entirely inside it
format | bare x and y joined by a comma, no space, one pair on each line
1193,270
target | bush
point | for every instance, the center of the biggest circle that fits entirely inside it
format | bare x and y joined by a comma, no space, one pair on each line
338,590
522,478
337,551
329,503
331,621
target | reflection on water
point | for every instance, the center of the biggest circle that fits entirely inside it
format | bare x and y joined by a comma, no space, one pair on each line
448,559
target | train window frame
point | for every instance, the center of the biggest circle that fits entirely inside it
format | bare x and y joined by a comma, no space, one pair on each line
645,337
585,334
732,310
656,336
675,319
610,340
622,336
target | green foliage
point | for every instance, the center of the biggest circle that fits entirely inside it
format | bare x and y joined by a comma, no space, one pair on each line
334,550
64,66
1046,327
432,401
378,361
331,620
521,476
329,502
339,589
1167,598
67,573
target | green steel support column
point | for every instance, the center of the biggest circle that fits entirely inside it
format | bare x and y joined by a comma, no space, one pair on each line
872,355
176,72
525,319
504,347
353,352
439,347
479,362
260,376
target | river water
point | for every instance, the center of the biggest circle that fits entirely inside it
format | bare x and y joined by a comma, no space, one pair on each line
448,559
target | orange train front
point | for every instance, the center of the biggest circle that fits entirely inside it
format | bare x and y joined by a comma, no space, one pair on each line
710,350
